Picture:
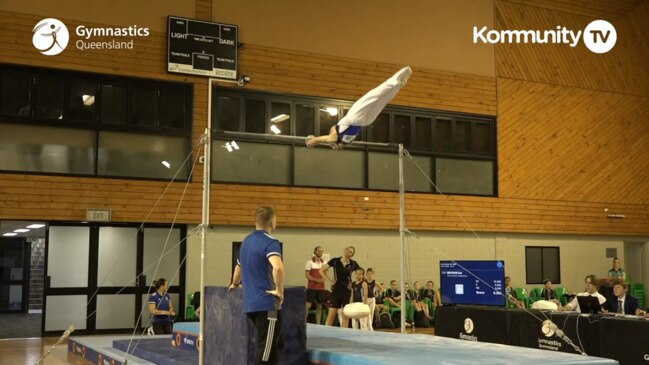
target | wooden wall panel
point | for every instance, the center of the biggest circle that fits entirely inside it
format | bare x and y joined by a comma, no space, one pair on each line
24,196
286,71
601,9
66,198
624,69
204,9
571,144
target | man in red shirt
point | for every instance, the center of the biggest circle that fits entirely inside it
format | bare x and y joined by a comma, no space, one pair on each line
315,289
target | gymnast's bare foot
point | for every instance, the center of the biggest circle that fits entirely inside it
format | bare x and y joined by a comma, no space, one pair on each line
404,74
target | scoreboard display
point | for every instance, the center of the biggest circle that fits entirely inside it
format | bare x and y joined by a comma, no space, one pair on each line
198,47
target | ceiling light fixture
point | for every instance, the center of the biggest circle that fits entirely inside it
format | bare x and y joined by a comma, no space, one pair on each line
88,100
21,230
231,146
10,234
166,164
35,226
280,118
332,111
274,129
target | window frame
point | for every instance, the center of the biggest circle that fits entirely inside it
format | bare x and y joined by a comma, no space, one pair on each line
543,275
218,135
97,125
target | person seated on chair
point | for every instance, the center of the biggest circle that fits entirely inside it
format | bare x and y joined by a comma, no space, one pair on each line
393,294
511,295
591,291
548,293
161,308
417,300
621,302
430,293
380,295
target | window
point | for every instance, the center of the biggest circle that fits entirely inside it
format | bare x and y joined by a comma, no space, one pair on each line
462,137
443,135
15,93
542,263
139,155
379,130
227,113
423,133
463,176
142,105
305,120
280,117
482,138
173,104
49,96
46,149
81,104
402,129
255,116
56,121
252,163
113,104
455,151
328,115
345,168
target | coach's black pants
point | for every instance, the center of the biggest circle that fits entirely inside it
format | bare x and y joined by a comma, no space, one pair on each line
268,340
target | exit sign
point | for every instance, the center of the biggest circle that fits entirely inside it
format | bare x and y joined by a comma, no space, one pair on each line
98,215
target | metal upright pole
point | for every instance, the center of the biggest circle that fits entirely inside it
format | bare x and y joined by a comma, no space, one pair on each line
402,228
205,221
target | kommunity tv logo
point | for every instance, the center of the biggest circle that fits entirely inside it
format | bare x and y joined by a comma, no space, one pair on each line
599,36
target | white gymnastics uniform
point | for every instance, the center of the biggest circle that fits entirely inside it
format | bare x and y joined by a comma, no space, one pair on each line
367,108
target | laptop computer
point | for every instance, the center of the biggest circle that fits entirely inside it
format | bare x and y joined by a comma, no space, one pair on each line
588,304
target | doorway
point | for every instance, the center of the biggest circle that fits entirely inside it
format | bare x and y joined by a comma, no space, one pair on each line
99,275
22,246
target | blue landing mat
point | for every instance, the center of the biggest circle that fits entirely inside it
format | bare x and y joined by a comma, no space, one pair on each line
188,327
342,346
159,351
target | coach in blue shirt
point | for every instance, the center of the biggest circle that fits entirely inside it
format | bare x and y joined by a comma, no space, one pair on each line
261,269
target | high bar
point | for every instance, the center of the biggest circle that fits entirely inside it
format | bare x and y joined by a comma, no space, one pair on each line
298,139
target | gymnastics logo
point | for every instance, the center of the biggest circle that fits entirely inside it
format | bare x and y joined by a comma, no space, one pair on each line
599,36
468,329
547,329
50,36
468,325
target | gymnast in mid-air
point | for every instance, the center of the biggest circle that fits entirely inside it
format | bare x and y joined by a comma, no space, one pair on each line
362,113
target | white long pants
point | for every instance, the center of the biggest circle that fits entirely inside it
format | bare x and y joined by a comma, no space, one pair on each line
367,108
372,303
363,323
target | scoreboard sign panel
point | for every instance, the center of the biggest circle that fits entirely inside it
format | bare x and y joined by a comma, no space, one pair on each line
202,48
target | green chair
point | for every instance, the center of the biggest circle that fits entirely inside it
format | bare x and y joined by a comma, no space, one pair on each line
190,311
535,294
561,294
510,304
521,293
410,313
637,290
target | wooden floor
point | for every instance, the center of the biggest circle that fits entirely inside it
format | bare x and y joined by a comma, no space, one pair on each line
28,351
